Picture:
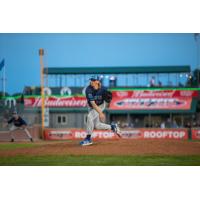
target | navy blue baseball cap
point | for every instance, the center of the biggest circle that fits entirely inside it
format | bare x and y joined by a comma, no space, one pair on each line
94,78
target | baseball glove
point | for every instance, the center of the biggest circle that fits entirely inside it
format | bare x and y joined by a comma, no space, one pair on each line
107,96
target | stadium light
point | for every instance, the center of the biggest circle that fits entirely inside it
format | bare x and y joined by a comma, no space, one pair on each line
41,54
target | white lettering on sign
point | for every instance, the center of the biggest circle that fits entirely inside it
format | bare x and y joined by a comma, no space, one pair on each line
59,102
186,93
153,94
164,134
122,94
80,134
60,132
99,134
103,134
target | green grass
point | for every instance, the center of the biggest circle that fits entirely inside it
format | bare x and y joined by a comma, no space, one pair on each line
14,145
8,146
69,160
91,160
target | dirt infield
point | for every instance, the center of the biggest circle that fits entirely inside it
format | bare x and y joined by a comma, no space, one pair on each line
106,147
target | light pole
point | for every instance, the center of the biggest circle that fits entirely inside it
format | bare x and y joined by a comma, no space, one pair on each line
41,54
196,38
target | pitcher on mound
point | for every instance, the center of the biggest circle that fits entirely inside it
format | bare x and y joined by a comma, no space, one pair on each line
97,96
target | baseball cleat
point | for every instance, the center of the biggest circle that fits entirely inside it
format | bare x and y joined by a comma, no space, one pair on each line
31,139
86,142
115,129
12,140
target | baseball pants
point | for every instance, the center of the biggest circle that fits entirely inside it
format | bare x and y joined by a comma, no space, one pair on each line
13,128
93,121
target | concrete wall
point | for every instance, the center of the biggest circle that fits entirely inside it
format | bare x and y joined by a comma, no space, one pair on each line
72,120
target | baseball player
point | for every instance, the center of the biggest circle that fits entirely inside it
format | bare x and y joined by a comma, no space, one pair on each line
97,96
18,123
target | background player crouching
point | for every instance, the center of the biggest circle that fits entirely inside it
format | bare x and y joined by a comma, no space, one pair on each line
18,123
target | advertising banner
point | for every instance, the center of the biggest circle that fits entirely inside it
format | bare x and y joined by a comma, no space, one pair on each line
54,101
125,100
154,93
196,134
71,134
152,100
59,134
165,133
151,104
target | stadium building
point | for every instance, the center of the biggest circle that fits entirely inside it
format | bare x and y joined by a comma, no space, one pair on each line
142,97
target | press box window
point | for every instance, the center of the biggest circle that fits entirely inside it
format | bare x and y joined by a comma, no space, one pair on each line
62,119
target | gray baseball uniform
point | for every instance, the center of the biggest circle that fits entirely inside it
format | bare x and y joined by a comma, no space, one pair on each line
93,121
18,124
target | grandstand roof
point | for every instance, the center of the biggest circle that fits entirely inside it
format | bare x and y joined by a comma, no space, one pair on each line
117,70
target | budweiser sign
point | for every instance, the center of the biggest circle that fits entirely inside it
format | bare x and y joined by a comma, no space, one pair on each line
154,94
56,102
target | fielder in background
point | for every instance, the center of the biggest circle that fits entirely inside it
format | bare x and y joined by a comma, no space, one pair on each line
18,123
97,96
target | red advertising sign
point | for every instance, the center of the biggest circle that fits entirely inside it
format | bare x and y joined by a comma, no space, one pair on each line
59,134
165,133
56,101
71,134
126,100
152,100
155,94
151,104
196,134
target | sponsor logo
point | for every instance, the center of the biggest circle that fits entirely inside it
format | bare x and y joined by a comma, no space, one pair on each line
164,134
122,94
186,93
80,134
99,134
104,135
60,132
57,102
131,134
57,135
151,103
153,94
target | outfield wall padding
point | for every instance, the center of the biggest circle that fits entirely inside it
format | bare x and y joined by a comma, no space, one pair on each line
138,133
